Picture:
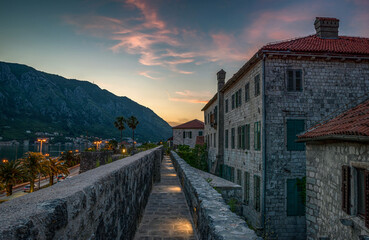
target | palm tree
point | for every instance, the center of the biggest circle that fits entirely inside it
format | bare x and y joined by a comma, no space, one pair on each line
132,124
119,123
10,174
33,165
55,167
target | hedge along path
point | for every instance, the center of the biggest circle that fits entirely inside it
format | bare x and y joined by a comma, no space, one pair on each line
166,214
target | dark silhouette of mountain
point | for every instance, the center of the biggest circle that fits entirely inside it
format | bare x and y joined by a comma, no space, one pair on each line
38,101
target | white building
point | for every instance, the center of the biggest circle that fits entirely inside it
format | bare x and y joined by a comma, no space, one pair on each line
187,133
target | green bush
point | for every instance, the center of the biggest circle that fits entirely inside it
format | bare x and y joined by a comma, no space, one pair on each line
196,157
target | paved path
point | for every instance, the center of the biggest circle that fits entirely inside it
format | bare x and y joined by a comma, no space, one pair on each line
166,215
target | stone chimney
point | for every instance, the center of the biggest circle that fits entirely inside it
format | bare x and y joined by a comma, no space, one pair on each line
326,27
221,79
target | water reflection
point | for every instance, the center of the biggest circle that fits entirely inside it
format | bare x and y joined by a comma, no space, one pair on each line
13,152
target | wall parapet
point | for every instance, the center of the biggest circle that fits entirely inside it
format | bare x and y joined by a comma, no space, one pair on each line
212,217
104,203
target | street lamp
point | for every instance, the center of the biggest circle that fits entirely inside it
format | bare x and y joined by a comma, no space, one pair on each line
5,161
41,140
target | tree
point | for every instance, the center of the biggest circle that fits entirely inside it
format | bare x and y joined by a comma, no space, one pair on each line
11,173
33,165
55,167
132,124
119,123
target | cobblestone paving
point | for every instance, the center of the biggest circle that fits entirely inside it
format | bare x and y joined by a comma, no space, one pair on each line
166,215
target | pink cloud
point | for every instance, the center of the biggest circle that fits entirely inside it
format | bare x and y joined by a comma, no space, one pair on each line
150,15
190,96
147,74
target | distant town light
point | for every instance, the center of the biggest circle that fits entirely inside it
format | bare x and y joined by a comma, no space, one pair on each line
5,161
77,150
124,150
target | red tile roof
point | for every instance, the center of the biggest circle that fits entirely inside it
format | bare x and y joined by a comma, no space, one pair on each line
194,124
200,140
315,44
353,122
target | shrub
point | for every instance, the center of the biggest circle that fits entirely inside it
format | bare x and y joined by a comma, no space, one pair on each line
196,157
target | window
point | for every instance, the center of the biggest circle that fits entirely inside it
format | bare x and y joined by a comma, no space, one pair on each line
236,98
247,133
257,193
215,140
200,133
184,134
360,191
243,135
257,85
226,105
239,98
232,174
226,139
247,92
246,191
257,138
233,101
187,134
295,198
232,138
294,81
239,177
239,137
294,127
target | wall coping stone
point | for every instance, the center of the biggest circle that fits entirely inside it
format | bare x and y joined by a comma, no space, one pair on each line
21,214
212,217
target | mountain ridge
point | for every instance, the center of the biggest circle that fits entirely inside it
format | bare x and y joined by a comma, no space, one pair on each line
70,106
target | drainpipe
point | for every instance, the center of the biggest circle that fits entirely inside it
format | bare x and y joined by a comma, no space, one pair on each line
263,209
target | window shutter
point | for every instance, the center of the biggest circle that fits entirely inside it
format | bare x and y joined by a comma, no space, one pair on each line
298,80
184,134
345,189
367,198
190,134
290,80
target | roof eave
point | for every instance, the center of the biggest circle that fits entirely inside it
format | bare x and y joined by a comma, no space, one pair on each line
350,138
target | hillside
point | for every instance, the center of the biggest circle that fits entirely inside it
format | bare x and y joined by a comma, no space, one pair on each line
38,101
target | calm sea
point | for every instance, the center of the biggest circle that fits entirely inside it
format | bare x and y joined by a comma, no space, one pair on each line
17,151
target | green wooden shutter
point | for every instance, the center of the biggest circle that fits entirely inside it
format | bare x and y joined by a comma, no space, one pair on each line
295,127
257,193
243,137
295,203
248,136
246,188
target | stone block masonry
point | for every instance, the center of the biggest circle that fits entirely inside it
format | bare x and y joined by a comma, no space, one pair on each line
211,215
104,203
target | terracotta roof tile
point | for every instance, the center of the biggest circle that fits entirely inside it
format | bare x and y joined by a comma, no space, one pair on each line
353,122
194,124
315,44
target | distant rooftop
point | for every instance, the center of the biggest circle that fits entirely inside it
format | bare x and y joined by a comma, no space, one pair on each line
194,124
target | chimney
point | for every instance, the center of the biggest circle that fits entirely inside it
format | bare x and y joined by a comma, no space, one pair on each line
326,27
221,79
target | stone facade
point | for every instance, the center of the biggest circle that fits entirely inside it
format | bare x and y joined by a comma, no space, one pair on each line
104,203
327,86
89,160
178,138
324,161
211,215
210,136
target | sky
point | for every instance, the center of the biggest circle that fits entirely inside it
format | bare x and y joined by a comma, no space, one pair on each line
163,54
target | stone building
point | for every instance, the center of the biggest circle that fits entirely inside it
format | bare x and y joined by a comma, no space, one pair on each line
337,176
252,121
187,133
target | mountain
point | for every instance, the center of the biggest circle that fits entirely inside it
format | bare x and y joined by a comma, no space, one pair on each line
38,101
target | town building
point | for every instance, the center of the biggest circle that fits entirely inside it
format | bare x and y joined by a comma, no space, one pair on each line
187,133
252,121
337,176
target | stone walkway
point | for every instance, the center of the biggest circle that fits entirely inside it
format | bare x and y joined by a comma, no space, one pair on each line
166,215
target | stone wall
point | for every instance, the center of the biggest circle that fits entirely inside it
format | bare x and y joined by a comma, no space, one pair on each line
323,176
209,132
328,88
211,215
89,159
179,140
104,203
